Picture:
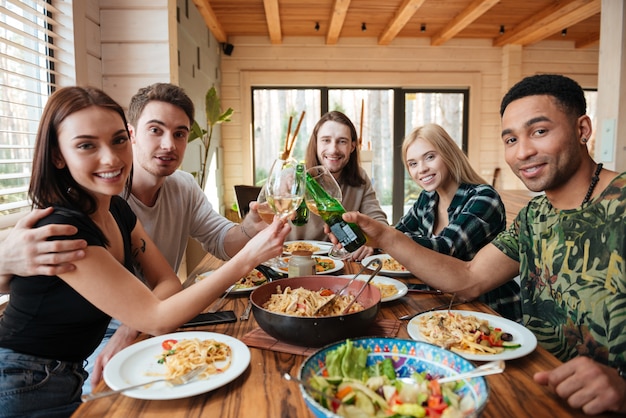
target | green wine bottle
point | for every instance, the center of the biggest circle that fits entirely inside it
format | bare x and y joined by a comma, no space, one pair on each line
302,215
330,210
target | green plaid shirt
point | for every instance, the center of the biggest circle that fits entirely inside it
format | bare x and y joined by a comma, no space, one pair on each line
475,217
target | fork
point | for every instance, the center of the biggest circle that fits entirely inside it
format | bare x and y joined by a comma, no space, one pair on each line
493,367
337,294
436,308
175,381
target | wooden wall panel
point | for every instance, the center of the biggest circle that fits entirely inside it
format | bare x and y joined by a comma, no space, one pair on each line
148,25
147,59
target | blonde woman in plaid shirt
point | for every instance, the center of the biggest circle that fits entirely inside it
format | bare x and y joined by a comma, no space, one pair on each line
457,213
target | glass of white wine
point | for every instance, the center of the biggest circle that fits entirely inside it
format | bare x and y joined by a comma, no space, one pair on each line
284,189
282,194
263,207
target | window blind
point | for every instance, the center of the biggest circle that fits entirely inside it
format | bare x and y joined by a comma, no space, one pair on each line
27,78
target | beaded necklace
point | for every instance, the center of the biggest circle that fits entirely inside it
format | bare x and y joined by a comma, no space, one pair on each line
594,182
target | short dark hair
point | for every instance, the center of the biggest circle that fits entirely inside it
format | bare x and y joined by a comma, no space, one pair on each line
162,92
50,185
568,93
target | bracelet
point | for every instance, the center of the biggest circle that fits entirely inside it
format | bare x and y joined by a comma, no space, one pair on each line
243,229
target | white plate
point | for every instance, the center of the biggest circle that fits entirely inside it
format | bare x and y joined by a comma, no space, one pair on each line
520,334
383,271
338,265
204,275
132,365
324,246
401,288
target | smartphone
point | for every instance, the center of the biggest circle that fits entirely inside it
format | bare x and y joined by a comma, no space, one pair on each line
421,288
219,317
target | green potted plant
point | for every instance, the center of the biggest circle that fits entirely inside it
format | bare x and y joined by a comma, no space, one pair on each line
214,116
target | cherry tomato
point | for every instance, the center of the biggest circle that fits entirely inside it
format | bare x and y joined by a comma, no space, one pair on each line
168,344
326,292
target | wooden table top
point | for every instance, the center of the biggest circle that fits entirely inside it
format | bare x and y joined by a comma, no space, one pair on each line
261,391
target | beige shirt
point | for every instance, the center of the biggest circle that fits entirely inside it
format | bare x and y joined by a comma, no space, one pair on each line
362,199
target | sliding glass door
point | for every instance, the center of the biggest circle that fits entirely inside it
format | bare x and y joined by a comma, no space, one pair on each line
382,118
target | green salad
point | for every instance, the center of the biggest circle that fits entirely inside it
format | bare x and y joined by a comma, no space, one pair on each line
355,390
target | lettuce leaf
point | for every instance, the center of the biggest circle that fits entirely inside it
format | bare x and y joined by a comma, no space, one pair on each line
347,361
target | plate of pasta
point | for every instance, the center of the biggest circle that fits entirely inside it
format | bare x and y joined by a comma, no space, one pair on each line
172,355
474,335
323,265
390,289
316,247
246,284
390,266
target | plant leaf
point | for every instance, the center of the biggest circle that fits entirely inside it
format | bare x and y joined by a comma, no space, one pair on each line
214,109
225,117
196,132
212,106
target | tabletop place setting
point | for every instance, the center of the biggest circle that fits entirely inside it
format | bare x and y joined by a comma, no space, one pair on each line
336,337
392,331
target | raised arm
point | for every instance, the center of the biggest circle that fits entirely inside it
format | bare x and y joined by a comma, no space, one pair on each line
488,270
117,292
239,235
159,277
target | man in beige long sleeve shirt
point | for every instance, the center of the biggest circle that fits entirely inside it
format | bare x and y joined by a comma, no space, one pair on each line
333,144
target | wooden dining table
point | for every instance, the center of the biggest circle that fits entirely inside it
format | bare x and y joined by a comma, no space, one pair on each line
261,391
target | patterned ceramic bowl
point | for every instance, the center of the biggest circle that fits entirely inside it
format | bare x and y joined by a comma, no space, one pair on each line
408,356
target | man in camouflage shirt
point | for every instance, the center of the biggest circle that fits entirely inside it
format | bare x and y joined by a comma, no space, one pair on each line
568,245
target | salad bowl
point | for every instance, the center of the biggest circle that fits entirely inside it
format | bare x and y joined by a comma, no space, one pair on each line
407,357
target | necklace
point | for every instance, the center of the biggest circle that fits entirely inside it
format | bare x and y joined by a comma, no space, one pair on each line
594,182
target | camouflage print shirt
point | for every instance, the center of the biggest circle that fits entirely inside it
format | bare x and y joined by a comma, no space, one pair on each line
573,274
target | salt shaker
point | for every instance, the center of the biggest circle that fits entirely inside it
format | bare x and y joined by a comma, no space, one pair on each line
301,263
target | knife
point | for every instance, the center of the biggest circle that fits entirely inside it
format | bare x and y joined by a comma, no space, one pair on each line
246,313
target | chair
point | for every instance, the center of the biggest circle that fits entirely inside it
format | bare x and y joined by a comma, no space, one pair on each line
244,195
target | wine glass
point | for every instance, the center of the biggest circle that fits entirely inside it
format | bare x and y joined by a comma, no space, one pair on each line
267,215
284,189
281,195
325,179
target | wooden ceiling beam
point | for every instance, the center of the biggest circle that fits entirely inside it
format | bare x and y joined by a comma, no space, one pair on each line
403,15
337,18
207,13
552,20
472,12
272,16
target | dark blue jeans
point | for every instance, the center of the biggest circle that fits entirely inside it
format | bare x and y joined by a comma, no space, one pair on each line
32,386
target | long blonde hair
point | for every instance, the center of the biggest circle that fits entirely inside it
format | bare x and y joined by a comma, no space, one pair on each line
457,162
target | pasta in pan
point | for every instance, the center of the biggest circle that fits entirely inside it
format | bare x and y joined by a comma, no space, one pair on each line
304,302
182,356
